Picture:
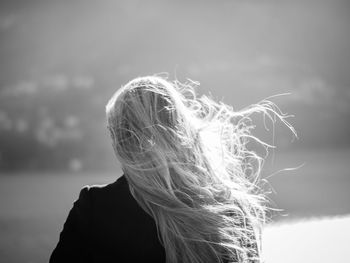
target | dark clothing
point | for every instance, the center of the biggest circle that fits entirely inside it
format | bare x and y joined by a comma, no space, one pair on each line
106,224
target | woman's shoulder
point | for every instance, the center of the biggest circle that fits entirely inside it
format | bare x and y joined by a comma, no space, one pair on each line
119,183
105,192
112,209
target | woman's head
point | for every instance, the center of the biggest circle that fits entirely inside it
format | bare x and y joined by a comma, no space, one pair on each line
188,166
143,115
149,122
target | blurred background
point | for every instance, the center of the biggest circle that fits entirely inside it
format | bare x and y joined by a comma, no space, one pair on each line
60,61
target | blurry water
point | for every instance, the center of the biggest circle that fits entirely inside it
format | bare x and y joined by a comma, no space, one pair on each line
311,241
34,206
33,210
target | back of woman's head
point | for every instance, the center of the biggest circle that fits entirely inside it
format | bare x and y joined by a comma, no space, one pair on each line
188,166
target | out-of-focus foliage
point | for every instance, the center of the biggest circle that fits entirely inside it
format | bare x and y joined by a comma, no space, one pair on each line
60,61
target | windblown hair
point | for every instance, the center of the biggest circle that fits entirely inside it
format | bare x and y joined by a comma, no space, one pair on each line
188,165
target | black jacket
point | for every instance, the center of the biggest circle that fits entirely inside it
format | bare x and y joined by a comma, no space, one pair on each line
107,225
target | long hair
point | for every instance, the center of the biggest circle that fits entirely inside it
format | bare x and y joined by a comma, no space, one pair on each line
188,165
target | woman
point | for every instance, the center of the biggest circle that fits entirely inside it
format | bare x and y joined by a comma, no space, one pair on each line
189,192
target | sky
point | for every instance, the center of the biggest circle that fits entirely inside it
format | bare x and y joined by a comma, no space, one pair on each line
240,51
